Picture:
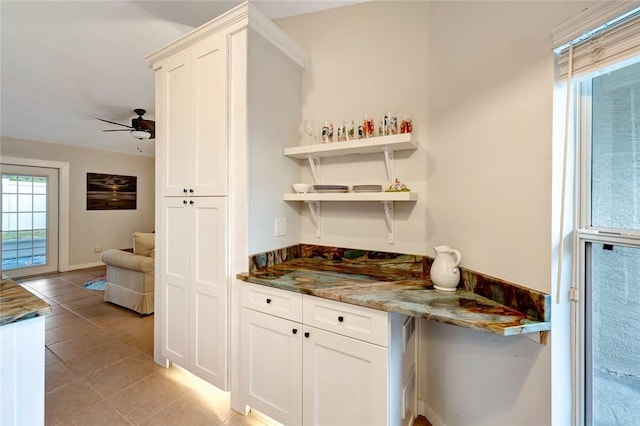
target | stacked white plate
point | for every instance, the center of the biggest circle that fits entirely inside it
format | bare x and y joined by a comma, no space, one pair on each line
330,188
367,188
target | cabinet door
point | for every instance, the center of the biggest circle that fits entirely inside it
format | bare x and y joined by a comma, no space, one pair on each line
208,291
173,135
345,380
272,365
209,116
173,261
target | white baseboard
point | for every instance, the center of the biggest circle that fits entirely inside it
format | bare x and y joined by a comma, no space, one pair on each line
425,409
84,266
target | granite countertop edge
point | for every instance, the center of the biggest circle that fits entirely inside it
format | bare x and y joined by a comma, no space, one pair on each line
19,304
413,298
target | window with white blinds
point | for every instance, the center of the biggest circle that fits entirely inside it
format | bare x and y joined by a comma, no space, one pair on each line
601,45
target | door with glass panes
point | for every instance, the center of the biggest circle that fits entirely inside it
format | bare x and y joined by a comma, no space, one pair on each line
29,206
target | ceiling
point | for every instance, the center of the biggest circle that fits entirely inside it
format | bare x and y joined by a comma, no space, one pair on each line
64,63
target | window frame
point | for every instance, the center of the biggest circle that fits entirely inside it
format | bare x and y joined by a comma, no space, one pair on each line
586,234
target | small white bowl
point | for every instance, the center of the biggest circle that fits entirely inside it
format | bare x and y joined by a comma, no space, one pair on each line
302,188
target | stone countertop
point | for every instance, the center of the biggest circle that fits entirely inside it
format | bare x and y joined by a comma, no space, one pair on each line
393,293
18,303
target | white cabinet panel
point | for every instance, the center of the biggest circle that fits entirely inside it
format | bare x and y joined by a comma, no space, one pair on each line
272,363
22,372
177,332
194,284
175,279
345,380
209,289
192,116
173,135
209,116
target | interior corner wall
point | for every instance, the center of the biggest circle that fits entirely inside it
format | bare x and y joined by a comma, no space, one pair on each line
477,78
90,228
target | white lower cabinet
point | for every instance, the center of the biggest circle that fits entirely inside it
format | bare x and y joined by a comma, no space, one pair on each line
302,365
272,362
344,380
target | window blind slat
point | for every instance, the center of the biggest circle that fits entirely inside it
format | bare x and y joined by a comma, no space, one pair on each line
602,48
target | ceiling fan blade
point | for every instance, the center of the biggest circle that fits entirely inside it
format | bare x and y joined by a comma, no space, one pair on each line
118,130
113,122
151,125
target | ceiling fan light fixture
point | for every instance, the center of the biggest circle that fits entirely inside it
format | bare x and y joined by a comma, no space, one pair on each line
140,134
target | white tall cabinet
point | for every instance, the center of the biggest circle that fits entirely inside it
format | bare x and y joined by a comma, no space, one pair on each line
228,98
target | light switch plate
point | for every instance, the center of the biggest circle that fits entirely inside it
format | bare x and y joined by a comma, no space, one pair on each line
280,227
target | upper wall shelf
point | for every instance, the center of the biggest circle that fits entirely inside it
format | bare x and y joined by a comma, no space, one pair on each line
353,196
399,142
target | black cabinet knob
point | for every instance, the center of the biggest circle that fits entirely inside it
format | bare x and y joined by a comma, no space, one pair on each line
191,191
340,318
184,201
191,202
268,301
306,334
294,331
184,190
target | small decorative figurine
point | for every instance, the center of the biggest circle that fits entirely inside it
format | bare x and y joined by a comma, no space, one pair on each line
398,186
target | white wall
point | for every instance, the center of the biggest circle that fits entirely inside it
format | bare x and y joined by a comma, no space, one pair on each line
367,59
105,228
274,107
477,78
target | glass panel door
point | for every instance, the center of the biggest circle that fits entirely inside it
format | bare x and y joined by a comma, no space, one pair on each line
29,231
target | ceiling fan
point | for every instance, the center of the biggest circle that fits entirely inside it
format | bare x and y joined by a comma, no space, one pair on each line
139,129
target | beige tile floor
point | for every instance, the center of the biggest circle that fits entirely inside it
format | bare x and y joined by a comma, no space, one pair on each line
99,367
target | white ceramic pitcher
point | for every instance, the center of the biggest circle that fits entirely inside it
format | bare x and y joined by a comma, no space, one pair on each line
445,274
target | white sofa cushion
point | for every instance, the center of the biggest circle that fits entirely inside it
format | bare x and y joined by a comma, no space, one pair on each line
144,243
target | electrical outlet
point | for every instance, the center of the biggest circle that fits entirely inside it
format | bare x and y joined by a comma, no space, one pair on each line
280,227
97,249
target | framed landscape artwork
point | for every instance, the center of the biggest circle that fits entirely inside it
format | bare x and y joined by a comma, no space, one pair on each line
111,192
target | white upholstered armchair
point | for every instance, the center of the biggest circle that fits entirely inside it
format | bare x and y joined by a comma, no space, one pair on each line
130,281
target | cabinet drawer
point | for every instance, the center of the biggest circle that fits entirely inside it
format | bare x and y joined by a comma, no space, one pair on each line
281,303
358,322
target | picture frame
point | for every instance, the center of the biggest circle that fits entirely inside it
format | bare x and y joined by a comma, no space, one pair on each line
111,192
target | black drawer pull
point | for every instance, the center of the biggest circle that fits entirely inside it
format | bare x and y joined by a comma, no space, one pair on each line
294,331
184,201
340,318
306,334
191,191
268,301
184,190
191,202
